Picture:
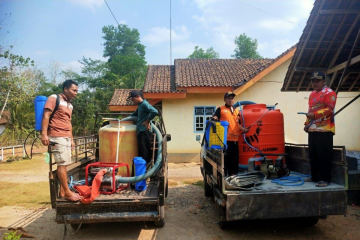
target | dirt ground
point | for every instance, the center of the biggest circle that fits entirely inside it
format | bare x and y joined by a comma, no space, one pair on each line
188,215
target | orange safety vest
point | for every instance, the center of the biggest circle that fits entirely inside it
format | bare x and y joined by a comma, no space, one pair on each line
233,119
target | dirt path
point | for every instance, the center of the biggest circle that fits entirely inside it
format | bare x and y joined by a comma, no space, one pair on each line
188,214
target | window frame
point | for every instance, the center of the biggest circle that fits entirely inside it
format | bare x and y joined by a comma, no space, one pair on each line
204,117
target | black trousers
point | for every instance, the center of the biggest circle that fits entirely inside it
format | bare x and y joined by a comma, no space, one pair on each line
231,158
321,154
144,146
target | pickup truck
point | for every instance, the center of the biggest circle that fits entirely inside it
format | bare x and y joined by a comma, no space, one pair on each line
269,200
125,205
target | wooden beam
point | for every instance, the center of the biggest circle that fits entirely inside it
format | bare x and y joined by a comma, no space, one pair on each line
354,83
301,81
131,108
339,11
164,95
122,108
341,66
344,40
304,46
266,71
309,69
206,89
332,41
332,79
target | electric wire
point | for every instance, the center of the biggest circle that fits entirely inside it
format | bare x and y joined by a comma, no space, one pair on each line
111,12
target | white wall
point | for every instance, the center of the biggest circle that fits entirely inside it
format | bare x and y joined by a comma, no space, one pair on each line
179,113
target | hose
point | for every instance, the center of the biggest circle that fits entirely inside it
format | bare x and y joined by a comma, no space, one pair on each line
239,104
291,180
157,164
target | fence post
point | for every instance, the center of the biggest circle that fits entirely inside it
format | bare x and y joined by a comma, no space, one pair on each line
24,151
13,150
85,147
76,150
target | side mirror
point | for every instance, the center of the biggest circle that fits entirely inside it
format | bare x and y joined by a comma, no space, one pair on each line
198,138
168,137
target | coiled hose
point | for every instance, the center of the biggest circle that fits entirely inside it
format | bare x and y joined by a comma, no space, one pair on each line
157,164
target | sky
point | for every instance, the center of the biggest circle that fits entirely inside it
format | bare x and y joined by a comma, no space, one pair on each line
65,31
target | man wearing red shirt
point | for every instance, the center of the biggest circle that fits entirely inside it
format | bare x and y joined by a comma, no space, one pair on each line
320,126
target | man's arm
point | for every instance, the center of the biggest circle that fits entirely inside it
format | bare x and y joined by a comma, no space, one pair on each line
152,112
216,115
134,114
45,126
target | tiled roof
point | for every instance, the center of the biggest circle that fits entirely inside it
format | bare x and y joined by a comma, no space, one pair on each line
160,79
217,72
120,96
5,117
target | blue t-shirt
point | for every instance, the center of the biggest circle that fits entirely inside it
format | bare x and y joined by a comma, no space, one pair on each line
144,112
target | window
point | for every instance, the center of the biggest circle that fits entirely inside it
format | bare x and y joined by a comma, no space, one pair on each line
201,114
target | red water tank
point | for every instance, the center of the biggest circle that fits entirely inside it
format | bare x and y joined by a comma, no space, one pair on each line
266,134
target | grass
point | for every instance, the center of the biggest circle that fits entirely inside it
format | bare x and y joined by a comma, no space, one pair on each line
199,183
35,165
29,195
17,193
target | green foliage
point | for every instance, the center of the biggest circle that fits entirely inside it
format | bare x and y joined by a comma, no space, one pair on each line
199,53
13,235
246,47
20,123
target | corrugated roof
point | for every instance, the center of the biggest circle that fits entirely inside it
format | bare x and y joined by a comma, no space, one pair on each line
325,44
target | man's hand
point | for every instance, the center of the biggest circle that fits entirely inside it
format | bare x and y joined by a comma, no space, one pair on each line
246,130
72,143
310,116
45,139
147,124
306,129
215,118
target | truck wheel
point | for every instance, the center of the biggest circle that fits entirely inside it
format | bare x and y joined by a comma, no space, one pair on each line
207,189
161,222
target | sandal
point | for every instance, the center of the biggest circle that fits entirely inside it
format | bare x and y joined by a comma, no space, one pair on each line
322,184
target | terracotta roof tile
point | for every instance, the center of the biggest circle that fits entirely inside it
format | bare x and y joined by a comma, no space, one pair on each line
217,72
120,97
160,79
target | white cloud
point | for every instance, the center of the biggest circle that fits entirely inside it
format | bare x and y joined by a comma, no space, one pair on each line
72,65
92,4
159,35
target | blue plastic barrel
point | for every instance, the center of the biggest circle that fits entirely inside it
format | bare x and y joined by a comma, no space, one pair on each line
39,111
140,168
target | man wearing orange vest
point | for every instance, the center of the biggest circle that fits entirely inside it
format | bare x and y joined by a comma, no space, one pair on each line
231,115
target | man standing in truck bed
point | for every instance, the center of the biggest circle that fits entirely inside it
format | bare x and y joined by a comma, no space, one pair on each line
231,115
56,127
144,113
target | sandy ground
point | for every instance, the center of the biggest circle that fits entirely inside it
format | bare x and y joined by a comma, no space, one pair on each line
188,215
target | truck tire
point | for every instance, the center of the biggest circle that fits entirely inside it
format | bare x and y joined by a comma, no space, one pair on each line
161,222
207,188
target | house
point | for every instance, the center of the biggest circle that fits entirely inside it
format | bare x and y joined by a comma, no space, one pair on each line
190,90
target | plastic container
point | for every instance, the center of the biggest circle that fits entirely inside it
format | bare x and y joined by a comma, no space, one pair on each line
140,168
267,134
39,103
218,139
128,147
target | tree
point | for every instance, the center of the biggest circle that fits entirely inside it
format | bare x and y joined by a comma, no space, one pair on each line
199,53
246,47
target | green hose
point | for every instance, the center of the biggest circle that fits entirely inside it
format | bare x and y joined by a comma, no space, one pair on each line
157,164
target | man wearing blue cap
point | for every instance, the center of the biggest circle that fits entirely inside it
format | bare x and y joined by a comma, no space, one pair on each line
144,113
320,126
